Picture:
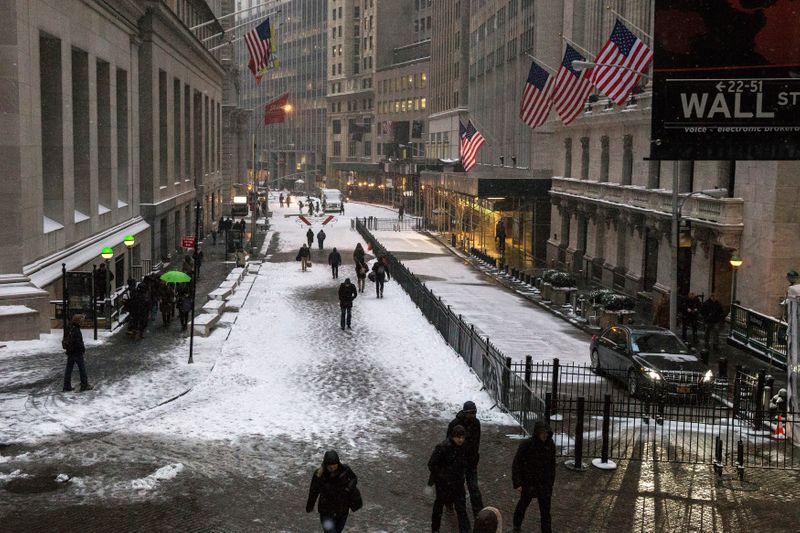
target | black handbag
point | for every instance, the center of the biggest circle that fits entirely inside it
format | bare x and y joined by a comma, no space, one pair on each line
356,502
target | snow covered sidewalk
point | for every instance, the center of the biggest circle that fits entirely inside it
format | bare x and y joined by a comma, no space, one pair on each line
517,327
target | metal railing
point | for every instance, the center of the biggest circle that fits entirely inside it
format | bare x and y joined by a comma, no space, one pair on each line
408,223
595,415
762,335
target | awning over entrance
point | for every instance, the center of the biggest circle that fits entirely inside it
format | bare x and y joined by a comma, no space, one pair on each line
48,269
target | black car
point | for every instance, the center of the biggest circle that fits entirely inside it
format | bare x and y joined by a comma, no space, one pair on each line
652,361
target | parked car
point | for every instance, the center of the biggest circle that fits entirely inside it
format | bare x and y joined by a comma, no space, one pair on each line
652,361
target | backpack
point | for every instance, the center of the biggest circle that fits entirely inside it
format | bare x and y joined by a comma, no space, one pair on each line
381,269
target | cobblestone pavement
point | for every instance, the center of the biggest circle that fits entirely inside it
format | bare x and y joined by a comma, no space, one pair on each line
256,484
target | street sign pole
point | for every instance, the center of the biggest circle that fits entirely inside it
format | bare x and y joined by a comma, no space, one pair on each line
194,278
94,301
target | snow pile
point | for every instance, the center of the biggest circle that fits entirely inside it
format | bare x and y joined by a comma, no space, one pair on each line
164,473
4,478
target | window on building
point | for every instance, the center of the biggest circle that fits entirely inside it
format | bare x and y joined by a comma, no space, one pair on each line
604,158
367,149
351,149
356,12
423,103
567,158
337,126
337,148
627,160
653,174
584,158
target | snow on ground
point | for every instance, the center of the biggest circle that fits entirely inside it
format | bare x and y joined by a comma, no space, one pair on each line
288,371
516,326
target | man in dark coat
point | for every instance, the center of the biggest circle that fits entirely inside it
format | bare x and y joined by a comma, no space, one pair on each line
335,260
467,419
713,315
690,313
304,256
380,271
73,345
347,293
102,280
334,484
534,471
310,237
321,238
447,466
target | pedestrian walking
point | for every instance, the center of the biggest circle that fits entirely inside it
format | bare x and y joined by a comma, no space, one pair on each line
334,484
167,303
447,466
534,472
288,200
304,256
380,272
347,293
361,276
341,206
400,212
73,345
335,260
300,206
102,280
690,314
316,207
467,419
310,237
359,255
185,305
321,238
310,207
241,258
280,199
661,312
489,520
713,315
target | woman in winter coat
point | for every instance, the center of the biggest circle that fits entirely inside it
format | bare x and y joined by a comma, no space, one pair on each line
334,484
359,256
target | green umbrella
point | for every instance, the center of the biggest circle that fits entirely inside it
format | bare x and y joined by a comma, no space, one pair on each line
175,276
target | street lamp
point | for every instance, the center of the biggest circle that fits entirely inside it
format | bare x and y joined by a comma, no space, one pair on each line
107,254
677,206
129,241
735,262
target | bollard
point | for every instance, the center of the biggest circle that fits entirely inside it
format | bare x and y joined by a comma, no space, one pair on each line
554,389
718,466
740,459
507,381
603,463
547,399
576,463
528,369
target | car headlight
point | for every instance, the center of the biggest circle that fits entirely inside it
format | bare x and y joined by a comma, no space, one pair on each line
708,377
652,374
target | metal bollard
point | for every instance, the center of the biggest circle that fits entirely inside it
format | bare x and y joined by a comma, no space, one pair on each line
576,463
718,466
740,460
603,463
528,369
547,399
554,389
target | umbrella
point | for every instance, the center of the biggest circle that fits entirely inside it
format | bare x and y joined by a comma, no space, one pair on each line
175,276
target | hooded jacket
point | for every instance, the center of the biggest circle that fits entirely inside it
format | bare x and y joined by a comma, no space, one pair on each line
472,443
535,462
334,490
448,466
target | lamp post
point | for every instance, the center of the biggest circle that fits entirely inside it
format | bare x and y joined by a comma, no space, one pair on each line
735,262
107,254
129,241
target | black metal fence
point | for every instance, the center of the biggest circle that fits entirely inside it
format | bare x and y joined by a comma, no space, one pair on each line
595,416
761,334
407,223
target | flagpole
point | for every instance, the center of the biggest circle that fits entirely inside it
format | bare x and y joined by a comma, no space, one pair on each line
271,13
576,45
542,63
217,19
631,24
491,137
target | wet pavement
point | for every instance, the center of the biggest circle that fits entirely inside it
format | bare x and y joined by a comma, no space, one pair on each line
224,479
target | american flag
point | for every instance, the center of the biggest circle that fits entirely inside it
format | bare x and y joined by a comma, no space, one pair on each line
623,51
471,141
259,47
572,87
537,100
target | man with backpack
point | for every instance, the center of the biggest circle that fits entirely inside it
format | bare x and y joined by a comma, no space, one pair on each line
73,345
347,293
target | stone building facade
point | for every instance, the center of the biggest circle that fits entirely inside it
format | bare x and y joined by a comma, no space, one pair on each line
89,141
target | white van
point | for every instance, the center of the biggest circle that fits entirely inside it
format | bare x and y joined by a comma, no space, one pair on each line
332,200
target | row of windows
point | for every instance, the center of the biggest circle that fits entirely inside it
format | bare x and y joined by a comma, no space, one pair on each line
403,106
402,83
353,105
627,158
422,24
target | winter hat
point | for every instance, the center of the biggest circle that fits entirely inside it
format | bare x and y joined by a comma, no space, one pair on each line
347,280
459,431
331,458
469,407
489,520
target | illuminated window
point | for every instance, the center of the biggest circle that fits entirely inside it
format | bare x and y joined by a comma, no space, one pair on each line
424,103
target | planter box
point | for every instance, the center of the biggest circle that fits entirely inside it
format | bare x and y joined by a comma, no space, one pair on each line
614,318
561,295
